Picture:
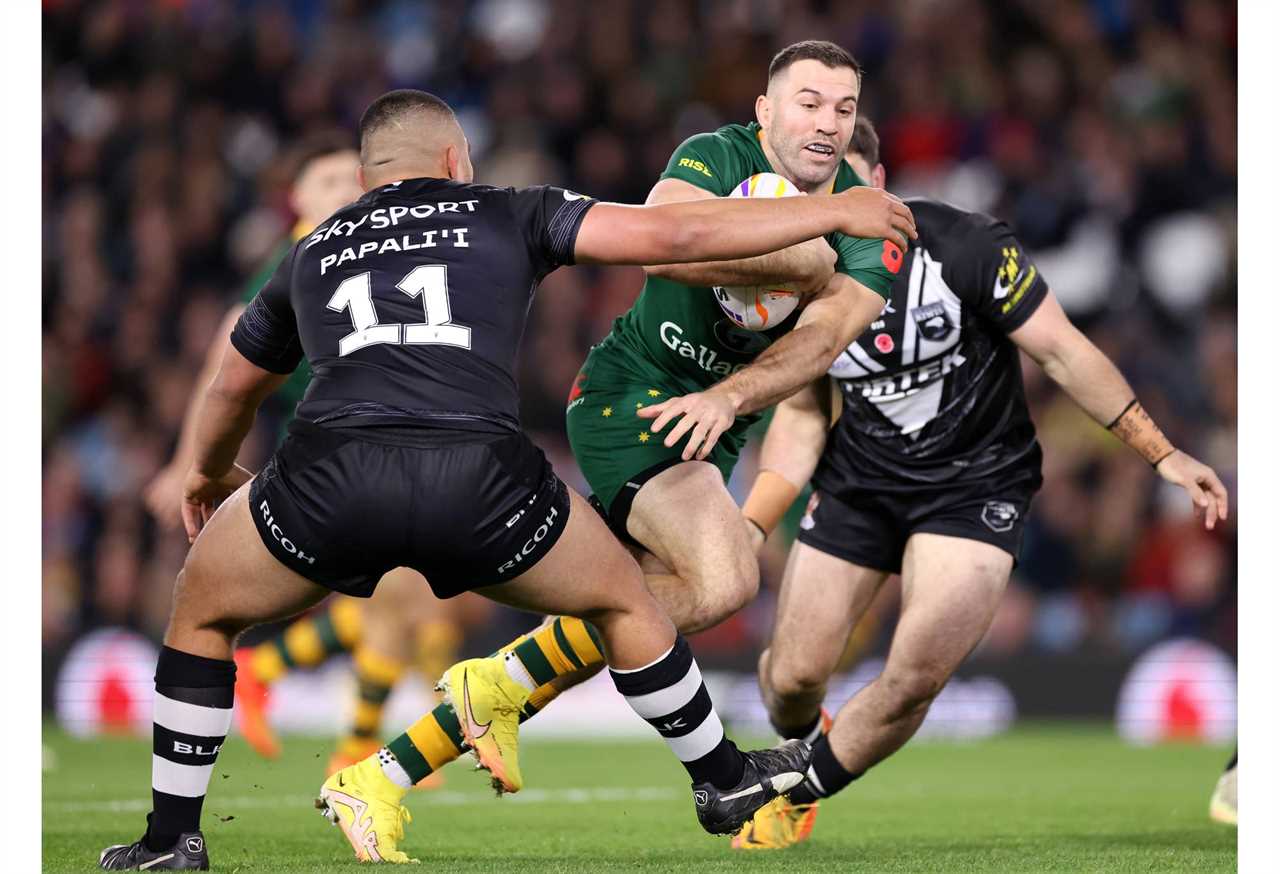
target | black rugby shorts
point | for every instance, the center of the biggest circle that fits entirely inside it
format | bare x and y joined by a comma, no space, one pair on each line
871,528
466,509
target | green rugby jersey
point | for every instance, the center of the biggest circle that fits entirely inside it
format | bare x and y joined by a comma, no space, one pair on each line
679,330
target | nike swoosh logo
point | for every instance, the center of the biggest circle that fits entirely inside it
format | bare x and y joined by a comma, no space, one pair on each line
744,792
156,861
475,728
341,782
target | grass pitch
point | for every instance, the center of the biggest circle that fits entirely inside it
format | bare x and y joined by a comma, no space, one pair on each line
1039,799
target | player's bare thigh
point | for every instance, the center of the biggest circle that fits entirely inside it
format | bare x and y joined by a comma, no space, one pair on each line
951,587
590,575
686,517
821,600
231,582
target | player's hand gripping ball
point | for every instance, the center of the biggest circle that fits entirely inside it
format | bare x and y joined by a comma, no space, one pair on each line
759,307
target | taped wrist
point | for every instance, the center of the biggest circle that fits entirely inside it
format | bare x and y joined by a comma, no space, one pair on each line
771,496
1137,429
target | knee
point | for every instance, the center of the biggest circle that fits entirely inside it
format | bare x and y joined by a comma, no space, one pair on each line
790,679
196,610
728,590
911,689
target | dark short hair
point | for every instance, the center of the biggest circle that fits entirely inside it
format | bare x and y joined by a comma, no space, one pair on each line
316,145
865,142
395,104
827,53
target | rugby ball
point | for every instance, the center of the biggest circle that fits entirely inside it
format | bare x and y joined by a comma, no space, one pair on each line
759,307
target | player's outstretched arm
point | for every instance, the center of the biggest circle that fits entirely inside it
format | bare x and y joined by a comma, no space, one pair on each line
227,412
163,495
720,228
1093,382
806,265
830,322
792,446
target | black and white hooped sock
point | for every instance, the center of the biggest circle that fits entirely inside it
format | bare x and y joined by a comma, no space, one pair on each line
191,716
669,694
809,733
826,776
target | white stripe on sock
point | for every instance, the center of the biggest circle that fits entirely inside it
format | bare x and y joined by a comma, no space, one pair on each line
698,742
191,718
393,769
670,699
812,776
646,667
189,781
518,672
812,737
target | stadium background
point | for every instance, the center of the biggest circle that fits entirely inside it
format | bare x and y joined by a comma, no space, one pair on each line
1103,131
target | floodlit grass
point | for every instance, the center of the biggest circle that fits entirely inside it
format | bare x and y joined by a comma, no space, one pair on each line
1040,799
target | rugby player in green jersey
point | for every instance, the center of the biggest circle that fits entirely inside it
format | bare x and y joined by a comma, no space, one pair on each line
675,357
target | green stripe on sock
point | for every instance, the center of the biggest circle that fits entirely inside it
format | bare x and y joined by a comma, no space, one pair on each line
594,635
278,643
530,655
563,643
409,758
374,693
328,635
448,721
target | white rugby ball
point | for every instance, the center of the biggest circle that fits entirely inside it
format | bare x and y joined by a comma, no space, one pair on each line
759,307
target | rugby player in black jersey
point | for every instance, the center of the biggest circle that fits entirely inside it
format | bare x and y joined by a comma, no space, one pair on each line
407,450
928,472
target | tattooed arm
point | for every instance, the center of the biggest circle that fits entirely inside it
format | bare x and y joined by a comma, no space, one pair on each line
1098,387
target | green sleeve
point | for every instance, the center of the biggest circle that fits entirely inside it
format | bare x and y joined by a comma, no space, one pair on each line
707,161
265,272
874,263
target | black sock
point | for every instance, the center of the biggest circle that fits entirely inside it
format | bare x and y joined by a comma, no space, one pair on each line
192,715
809,732
669,694
826,776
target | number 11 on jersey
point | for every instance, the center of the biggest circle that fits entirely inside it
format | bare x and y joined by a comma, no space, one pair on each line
428,281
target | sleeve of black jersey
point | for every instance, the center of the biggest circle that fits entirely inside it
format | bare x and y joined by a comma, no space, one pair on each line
549,218
267,331
994,274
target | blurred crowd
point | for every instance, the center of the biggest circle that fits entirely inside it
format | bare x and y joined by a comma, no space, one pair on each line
1103,130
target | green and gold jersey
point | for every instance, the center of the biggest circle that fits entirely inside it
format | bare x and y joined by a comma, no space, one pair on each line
680,330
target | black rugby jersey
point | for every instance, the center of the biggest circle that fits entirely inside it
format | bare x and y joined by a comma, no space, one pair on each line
932,391
410,303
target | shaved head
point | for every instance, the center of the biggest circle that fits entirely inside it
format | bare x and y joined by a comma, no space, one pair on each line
407,134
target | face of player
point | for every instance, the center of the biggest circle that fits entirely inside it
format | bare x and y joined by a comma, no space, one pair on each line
808,118
873,176
325,186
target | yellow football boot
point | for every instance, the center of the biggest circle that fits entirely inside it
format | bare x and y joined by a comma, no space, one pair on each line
352,751
488,704
777,825
365,804
1222,806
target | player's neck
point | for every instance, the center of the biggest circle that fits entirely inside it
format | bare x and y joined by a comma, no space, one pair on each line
398,171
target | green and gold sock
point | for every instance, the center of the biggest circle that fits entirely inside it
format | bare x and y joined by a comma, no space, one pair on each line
435,740
308,642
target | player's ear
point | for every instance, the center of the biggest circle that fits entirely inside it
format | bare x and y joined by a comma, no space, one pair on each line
360,177
453,162
764,111
877,176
